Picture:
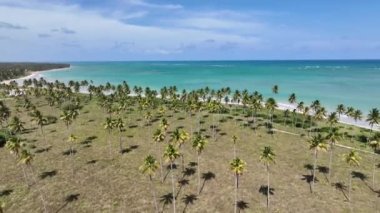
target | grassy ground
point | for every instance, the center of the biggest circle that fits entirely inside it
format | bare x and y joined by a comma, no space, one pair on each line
104,183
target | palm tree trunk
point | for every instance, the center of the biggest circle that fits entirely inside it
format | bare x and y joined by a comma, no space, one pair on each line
314,168
349,186
268,189
109,145
173,186
234,151
236,191
39,190
161,172
199,175
183,162
25,176
373,173
330,161
154,193
120,143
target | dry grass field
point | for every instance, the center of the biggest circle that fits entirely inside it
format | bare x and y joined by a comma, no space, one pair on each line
104,183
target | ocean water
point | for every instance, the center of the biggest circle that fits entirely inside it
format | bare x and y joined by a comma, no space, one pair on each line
354,83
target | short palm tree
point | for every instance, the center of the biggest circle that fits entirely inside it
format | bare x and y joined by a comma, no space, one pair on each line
149,168
353,160
179,137
267,157
199,144
171,154
340,109
40,121
237,166
357,115
16,126
317,143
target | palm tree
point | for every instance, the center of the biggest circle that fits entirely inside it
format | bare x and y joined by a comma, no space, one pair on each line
267,157
373,117
234,139
270,105
375,145
332,119
119,124
237,166
275,89
16,125
158,137
292,98
357,115
14,145
333,137
26,158
108,126
40,121
317,143
179,137
72,140
171,153
199,144
340,109
353,160
149,167
164,124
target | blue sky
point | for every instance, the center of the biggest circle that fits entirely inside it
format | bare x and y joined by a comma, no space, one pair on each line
91,30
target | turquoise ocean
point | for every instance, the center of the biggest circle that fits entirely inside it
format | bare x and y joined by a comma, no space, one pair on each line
354,83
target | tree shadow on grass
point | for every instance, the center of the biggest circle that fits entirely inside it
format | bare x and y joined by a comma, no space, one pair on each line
363,177
69,199
189,199
166,199
88,140
242,205
341,187
264,190
49,174
193,164
207,176
181,183
47,149
324,170
309,180
129,149
69,152
6,192
188,172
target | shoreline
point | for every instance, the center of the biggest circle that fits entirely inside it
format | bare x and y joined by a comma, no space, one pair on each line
34,74
281,106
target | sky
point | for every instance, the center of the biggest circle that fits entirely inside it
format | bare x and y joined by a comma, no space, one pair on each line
117,30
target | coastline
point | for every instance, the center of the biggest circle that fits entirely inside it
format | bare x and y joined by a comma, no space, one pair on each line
281,106
34,74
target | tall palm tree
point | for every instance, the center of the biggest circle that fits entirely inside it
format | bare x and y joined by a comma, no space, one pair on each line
199,144
340,109
353,160
332,119
237,166
373,117
275,89
179,137
108,126
40,121
14,145
267,157
357,115
333,138
119,124
292,98
26,158
270,105
72,140
171,153
317,143
158,137
149,168
234,140
375,145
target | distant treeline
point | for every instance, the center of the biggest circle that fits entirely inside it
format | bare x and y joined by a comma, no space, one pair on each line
16,70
